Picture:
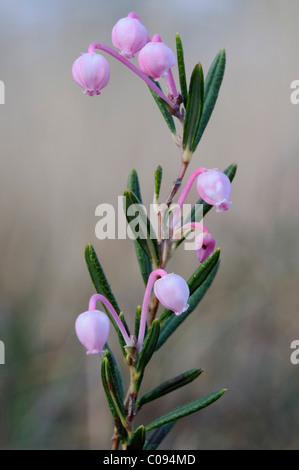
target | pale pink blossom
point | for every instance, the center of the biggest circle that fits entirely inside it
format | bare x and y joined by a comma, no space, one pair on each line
173,292
214,187
92,72
92,328
204,245
155,58
129,35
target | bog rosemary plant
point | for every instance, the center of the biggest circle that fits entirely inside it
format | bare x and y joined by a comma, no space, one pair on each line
186,113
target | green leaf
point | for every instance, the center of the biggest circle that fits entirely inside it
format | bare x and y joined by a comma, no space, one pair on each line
112,387
115,372
211,90
147,238
137,439
102,285
120,336
133,184
147,351
203,270
158,180
163,108
143,261
185,410
149,345
117,419
98,277
168,386
194,108
157,436
181,69
137,321
173,322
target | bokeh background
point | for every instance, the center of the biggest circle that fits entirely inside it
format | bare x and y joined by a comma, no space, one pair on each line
63,153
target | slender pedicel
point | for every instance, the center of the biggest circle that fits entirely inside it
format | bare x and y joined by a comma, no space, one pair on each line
123,60
146,298
92,306
171,85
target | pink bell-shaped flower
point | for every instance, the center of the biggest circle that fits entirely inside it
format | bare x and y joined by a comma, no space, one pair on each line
204,246
92,328
173,292
155,58
129,35
214,187
92,72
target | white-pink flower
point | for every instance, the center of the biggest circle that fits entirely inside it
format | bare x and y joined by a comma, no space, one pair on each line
214,187
173,292
155,58
92,328
204,246
92,72
129,35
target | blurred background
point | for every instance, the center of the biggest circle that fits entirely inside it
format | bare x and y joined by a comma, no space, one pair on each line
63,153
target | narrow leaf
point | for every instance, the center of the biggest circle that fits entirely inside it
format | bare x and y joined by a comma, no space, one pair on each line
168,386
112,387
140,223
164,110
157,436
120,336
158,180
115,372
149,345
211,89
185,410
194,107
117,421
143,261
137,439
173,322
98,277
137,321
181,69
133,184
202,272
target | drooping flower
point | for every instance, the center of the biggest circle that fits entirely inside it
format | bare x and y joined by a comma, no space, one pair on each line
129,35
204,246
173,292
92,328
92,72
214,187
155,58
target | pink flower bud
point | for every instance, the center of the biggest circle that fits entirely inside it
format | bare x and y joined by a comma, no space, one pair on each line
204,246
173,292
129,35
155,58
92,72
214,188
92,329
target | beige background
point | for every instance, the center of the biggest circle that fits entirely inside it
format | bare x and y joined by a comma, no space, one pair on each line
63,153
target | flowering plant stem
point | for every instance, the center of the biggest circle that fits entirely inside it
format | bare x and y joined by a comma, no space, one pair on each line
192,107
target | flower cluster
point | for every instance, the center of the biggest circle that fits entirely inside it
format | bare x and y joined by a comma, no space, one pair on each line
92,72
